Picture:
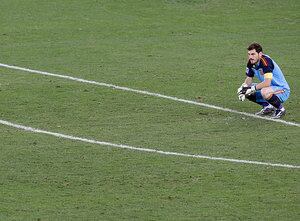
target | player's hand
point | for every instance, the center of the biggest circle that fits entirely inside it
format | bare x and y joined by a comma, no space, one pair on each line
241,92
247,90
244,91
241,88
242,97
250,90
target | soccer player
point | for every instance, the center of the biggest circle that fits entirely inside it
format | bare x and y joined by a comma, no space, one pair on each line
272,91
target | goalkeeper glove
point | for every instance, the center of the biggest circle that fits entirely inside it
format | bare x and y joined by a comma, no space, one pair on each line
241,93
244,91
241,88
247,90
242,97
250,90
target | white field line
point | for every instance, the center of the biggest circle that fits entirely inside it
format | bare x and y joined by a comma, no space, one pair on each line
122,146
148,93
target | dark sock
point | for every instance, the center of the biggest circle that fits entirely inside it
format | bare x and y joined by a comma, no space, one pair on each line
252,98
274,100
264,104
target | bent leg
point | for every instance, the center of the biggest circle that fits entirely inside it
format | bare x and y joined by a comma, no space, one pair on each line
258,98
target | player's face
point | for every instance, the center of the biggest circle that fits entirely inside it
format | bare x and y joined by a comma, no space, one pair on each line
253,56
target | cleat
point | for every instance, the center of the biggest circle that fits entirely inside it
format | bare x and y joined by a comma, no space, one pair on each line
266,111
279,113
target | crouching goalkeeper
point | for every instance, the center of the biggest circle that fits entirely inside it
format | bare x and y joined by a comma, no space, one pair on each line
272,91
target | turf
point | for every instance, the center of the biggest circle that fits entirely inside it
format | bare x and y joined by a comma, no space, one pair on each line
187,49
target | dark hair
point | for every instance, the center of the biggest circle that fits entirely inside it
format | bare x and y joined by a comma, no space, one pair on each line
255,46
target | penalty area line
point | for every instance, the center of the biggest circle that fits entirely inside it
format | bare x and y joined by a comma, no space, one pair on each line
148,93
142,149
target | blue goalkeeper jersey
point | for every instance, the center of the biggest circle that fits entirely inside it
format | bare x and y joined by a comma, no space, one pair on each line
267,65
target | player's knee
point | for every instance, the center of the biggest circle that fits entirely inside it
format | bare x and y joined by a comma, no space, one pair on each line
267,93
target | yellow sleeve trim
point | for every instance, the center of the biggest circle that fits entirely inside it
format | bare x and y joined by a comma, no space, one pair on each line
268,75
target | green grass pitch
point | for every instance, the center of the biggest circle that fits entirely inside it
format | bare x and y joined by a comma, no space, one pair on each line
190,49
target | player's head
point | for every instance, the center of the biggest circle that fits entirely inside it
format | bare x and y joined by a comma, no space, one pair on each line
255,52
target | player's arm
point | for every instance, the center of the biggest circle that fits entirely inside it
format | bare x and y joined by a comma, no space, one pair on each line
248,81
249,75
267,68
266,82
251,89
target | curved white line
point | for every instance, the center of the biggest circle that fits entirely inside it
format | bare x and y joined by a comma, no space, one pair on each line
122,146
